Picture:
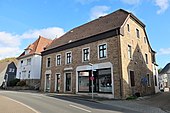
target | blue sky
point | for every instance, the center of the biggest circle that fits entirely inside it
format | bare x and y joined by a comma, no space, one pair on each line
22,21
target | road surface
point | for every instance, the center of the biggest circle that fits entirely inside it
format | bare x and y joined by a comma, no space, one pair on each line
40,103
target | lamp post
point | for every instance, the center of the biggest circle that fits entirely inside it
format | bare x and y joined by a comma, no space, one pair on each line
92,78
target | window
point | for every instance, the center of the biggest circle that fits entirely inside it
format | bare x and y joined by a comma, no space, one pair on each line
132,78
148,80
58,61
103,51
21,63
29,73
105,82
83,80
137,33
29,61
10,69
146,58
13,70
68,58
48,62
129,52
155,80
86,54
128,27
153,58
145,39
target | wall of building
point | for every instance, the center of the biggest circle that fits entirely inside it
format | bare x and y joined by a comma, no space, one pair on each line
34,67
112,57
137,62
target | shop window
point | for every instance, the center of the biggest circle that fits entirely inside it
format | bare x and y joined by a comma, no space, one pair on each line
83,80
105,82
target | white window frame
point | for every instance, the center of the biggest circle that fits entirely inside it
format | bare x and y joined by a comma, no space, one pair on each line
56,59
29,63
47,62
83,54
66,57
99,51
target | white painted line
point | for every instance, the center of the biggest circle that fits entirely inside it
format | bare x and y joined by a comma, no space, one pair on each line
23,105
80,108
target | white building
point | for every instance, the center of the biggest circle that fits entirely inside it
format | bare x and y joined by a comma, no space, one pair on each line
29,62
164,78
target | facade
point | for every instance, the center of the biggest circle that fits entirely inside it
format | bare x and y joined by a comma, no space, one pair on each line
7,73
113,51
29,62
164,78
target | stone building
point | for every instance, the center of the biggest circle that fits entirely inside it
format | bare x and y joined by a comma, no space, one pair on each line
114,50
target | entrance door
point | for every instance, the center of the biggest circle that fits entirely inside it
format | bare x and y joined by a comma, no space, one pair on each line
68,81
57,81
47,83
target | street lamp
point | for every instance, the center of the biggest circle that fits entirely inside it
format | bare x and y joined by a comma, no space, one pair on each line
92,78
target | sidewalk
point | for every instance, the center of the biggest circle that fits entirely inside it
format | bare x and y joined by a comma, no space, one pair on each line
133,105
8,105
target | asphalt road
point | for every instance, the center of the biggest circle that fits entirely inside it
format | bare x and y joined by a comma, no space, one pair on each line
61,104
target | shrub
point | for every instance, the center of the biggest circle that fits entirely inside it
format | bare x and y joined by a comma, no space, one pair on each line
21,83
131,97
14,82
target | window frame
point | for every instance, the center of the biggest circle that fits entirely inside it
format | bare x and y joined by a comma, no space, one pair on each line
29,63
128,27
83,54
137,33
130,80
58,63
66,57
102,50
48,62
146,58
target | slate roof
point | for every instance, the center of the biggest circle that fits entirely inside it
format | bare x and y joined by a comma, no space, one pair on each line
97,26
166,69
37,47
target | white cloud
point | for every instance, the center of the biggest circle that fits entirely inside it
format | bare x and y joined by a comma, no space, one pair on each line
51,33
164,51
98,11
131,2
10,43
162,4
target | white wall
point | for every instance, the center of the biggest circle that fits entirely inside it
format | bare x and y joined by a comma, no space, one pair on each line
155,73
35,67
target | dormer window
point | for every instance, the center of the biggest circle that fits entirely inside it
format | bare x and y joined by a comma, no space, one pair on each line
27,51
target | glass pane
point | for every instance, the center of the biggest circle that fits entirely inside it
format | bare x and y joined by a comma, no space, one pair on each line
84,81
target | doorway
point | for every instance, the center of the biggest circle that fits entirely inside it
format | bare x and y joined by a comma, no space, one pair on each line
57,82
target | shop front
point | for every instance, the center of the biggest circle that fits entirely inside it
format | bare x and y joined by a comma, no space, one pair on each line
102,79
